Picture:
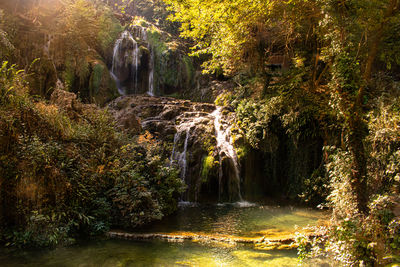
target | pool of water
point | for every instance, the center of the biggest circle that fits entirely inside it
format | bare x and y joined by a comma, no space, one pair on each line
240,219
150,253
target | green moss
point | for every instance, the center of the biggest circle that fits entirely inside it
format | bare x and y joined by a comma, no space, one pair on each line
155,39
171,77
207,166
189,69
140,21
172,69
242,152
110,28
95,79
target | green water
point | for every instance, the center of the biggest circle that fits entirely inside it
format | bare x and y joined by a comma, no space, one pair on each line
243,219
223,219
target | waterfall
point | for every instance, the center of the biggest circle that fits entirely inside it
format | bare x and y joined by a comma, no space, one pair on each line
127,52
135,65
46,47
176,139
181,158
141,33
185,136
185,129
151,73
121,58
225,147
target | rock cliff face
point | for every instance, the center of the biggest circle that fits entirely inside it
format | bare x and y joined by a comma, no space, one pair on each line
147,60
198,135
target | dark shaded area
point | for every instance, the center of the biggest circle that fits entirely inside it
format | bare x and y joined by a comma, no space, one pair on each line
280,168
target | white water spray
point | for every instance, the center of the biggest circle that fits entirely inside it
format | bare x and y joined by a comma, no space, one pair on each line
120,58
125,54
151,73
224,145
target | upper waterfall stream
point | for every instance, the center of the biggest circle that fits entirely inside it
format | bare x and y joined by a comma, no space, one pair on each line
133,62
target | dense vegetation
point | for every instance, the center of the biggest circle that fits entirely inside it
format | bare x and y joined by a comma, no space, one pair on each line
67,173
303,69
337,78
68,41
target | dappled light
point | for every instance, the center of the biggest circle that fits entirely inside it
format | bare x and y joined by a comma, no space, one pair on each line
199,133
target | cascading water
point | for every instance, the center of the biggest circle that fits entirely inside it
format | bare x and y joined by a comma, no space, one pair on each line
151,73
181,157
228,162
46,46
141,34
128,67
120,63
185,129
225,148
135,66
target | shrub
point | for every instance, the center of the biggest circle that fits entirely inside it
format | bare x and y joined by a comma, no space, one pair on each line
65,176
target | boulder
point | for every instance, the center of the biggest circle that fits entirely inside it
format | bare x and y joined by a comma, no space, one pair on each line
69,103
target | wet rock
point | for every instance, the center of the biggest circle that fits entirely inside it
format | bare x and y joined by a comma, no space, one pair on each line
259,243
191,126
205,107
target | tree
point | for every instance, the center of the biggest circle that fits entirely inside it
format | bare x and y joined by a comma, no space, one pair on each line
357,31
338,42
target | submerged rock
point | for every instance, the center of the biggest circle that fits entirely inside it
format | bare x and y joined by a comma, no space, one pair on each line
265,243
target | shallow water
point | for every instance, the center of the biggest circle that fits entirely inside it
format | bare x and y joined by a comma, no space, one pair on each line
152,253
230,219
239,219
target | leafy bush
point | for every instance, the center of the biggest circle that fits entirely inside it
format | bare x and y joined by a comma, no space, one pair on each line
65,176
373,238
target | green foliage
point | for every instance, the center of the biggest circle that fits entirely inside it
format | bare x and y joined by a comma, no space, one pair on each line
11,81
339,170
315,188
70,37
353,238
224,99
218,27
254,118
6,47
64,176
109,29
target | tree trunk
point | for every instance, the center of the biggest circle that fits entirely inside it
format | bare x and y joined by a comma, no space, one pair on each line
357,126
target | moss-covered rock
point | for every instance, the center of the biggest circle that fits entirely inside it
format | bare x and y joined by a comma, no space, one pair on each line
174,71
